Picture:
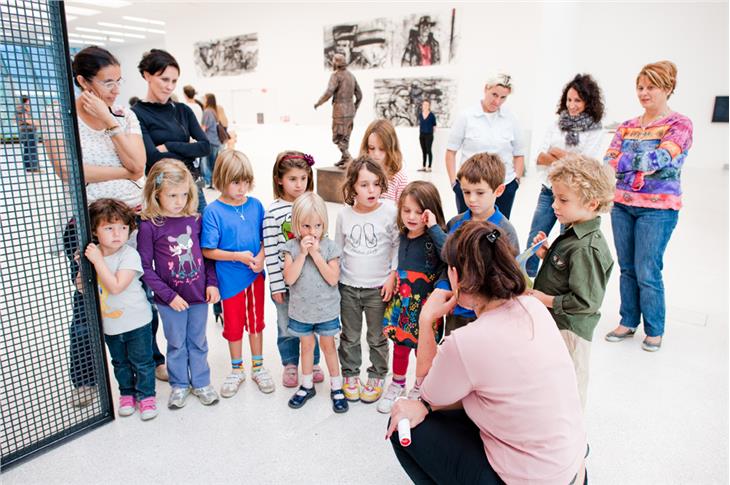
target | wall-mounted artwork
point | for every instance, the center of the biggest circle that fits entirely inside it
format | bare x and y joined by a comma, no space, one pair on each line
399,100
416,40
227,57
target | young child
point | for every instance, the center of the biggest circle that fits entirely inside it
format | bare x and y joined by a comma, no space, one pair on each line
292,177
125,311
184,283
421,222
312,270
573,280
232,236
367,233
380,143
481,178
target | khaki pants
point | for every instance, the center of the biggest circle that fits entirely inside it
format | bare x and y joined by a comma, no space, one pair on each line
353,302
580,351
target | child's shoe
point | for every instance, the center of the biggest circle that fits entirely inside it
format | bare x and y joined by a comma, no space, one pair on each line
301,396
290,378
393,392
83,396
317,374
161,373
232,383
351,388
372,390
263,379
177,399
127,406
414,393
207,395
148,408
339,403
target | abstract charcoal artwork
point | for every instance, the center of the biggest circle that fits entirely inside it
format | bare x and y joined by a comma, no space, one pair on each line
399,100
227,57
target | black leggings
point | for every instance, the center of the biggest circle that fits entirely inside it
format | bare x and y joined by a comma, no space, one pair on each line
446,448
426,140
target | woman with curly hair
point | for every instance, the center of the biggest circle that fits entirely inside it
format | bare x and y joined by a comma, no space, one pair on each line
576,130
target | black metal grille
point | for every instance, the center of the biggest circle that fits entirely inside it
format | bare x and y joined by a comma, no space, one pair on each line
51,349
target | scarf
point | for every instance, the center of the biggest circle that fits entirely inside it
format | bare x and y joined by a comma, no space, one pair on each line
573,125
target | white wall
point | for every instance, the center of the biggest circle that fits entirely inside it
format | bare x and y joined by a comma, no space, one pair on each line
543,45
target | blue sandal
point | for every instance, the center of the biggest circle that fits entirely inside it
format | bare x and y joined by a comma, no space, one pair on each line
339,403
298,400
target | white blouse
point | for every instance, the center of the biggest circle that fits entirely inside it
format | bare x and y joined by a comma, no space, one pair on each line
589,144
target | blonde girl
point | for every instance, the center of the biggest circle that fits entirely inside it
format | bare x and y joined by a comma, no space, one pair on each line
367,233
380,143
312,270
184,282
233,237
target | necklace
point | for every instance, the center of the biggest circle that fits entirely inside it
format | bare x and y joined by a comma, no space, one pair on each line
240,214
643,123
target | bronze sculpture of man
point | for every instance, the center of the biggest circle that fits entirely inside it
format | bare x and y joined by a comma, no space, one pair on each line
342,88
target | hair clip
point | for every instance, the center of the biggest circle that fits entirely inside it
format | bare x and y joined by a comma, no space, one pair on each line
159,178
493,236
309,159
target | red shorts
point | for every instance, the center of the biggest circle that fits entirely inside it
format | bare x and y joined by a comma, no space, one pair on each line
244,311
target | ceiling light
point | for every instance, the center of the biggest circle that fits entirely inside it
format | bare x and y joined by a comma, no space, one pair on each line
110,32
142,20
86,12
115,39
131,27
86,36
69,18
103,3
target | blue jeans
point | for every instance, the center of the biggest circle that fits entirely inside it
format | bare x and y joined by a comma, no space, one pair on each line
208,164
289,345
505,201
30,149
323,329
641,236
542,220
134,368
187,346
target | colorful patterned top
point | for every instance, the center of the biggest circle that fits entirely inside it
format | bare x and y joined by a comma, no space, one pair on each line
648,161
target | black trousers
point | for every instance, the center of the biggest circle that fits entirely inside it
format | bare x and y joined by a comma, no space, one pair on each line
446,449
426,140
505,201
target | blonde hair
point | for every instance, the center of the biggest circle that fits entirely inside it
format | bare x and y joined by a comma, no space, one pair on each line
499,79
307,205
588,178
232,166
386,134
662,74
165,173
290,160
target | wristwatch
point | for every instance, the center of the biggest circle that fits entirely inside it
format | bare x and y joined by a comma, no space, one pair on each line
426,405
113,131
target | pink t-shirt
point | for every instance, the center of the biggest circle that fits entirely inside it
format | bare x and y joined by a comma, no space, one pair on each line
396,184
512,372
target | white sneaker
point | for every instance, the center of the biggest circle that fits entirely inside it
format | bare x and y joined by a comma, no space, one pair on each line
263,379
207,395
414,393
232,383
393,392
177,398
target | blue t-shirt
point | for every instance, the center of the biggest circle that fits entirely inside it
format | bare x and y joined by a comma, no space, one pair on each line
426,125
233,228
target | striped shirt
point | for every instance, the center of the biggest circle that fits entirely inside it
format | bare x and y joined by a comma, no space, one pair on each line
396,184
277,231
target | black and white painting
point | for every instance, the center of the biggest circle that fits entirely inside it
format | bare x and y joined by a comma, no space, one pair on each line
399,100
227,57
415,40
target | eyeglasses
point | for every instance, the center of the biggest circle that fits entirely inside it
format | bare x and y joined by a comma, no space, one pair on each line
109,85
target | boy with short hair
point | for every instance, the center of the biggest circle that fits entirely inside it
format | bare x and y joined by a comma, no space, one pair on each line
572,282
482,180
126,313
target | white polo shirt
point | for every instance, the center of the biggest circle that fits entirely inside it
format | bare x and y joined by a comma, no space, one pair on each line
476,131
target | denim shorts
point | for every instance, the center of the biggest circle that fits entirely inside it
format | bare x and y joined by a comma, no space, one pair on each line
324,329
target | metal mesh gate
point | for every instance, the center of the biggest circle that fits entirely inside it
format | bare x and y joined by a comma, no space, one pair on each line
53,376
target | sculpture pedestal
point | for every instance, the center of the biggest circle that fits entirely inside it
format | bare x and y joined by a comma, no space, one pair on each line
329,183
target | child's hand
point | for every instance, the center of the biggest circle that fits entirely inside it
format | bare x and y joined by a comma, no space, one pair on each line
542,251
305,244
315,245
545,299
93,253
178,304
245,257
279,297
428,218
257,262
212,295
388,287
79,283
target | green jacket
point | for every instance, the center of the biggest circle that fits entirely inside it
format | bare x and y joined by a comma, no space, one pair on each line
575,271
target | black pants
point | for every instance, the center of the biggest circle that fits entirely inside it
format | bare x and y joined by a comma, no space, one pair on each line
505,201
426,140
446,448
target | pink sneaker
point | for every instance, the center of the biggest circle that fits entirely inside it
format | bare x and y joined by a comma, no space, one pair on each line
127,406
290,378
317,374
148,408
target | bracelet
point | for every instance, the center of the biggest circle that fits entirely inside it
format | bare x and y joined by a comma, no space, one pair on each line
113,131
426,405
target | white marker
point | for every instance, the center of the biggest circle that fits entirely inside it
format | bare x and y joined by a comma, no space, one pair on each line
404,432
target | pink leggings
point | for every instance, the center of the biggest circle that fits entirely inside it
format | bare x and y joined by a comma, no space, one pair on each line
400,359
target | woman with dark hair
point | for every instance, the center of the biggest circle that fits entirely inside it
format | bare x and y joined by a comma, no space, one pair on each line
426,124
113,162
27,127
500,401
577,130
210,127
168,126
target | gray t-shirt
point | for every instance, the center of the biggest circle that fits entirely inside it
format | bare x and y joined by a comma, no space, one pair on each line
129,310
311,299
